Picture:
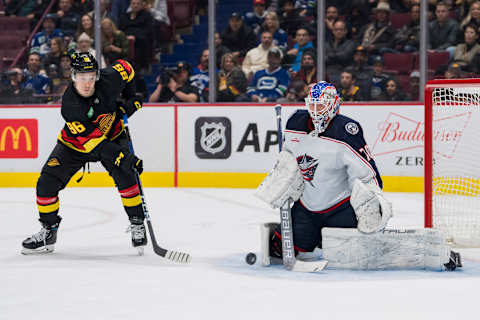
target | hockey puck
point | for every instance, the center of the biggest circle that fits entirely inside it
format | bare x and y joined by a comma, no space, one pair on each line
251,258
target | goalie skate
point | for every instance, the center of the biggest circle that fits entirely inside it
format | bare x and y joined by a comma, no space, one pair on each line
42,241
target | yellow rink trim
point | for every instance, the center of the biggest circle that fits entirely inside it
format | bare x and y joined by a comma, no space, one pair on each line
189,180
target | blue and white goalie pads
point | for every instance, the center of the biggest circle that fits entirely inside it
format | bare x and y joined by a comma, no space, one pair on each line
283,182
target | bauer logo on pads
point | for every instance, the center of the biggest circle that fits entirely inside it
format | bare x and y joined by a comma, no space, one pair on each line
213,138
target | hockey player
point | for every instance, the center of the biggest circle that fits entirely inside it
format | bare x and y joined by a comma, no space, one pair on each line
326,168
93,132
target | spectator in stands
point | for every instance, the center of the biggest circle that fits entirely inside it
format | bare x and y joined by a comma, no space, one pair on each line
104,10
68,19
86,25
358,16
83,6
464,52
348,90
13,91
296,92
34,77
271,83
220,49
119,8
401,6
308,68
238,37
57,48
290,17
453,71
41,40
443,30
138,25
256,58
163,34
175,87
363,73
256,18
408,37
379,36
84,44
338,51
232,83
378,83
414,87
272,25
200,78
392,92
114,42
473,16
331,16
61,77
302,39
20,8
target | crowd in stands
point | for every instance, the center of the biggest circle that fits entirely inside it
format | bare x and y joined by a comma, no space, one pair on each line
267,54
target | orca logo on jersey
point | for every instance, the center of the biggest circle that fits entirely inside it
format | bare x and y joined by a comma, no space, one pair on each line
308,166
213,137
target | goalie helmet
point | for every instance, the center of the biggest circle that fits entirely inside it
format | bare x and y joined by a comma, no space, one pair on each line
83,62
323,103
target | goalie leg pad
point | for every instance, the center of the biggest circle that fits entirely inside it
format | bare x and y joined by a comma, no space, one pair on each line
283,182
386,250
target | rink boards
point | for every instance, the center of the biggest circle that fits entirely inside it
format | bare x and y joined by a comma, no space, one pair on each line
211,145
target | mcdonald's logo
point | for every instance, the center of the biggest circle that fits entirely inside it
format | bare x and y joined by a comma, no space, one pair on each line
18,138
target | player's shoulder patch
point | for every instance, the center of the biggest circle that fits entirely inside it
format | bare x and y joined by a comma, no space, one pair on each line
352,128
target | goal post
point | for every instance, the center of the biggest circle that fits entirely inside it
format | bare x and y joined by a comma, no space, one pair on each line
452,159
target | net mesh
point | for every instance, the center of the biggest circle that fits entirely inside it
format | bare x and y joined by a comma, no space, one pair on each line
456,164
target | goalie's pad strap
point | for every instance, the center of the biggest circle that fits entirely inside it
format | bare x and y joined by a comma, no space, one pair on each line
283,182
389,249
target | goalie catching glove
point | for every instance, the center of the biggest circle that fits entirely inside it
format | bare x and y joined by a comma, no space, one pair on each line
283,182
371,208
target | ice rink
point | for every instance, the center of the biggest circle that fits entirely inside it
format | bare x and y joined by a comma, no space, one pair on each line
96,274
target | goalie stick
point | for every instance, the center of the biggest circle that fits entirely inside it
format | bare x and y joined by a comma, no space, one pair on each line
175,256
288,252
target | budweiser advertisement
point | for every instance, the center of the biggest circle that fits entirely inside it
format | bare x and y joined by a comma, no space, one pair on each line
18,138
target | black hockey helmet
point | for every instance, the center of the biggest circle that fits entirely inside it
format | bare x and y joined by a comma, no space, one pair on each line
83,62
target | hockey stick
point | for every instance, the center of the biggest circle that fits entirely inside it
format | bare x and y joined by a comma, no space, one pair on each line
288,252
175,256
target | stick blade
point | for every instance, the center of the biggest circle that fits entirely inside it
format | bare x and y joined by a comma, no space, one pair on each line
178,257
311,266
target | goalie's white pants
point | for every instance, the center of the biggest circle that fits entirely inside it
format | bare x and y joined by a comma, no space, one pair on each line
389,249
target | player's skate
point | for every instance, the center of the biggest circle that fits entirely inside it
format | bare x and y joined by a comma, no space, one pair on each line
455,261
139,234
42,241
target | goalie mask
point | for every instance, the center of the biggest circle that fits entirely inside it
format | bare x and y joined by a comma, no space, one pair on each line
323,103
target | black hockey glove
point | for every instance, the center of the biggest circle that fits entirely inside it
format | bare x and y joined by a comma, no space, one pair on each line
121,159
130,106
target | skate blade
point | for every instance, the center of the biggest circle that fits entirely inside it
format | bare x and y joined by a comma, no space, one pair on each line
140,250
41,250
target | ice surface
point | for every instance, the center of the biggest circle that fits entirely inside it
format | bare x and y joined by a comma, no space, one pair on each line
96,274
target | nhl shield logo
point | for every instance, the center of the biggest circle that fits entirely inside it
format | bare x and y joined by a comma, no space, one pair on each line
213,137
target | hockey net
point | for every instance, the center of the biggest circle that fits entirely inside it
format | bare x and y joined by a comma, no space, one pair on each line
452,159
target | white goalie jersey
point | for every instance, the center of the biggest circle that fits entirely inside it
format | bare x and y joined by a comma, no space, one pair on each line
331,161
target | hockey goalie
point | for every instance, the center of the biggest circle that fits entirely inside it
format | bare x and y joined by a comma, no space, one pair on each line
326,171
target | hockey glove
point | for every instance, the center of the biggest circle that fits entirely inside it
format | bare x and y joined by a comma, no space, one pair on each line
130,106
120,158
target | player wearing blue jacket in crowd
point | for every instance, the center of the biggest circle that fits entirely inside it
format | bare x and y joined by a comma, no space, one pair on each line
35,78
256,18
271,83
41,40
302,37
200,78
